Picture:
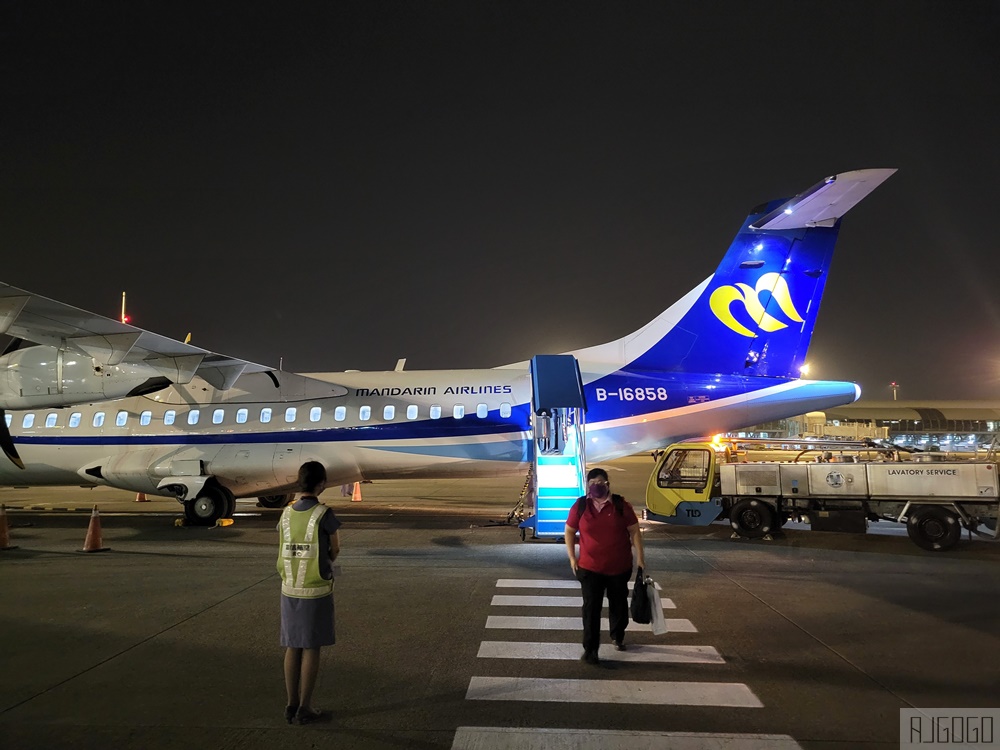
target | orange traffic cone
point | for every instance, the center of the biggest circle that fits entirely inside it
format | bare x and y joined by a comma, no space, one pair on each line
93,541
4,530
356,497
140,497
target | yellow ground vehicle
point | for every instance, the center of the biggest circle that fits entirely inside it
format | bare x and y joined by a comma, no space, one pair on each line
695,484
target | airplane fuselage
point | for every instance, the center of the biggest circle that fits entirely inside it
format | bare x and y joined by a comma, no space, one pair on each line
448,423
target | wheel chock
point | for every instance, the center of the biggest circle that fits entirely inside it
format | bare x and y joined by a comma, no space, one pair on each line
223,522
180,522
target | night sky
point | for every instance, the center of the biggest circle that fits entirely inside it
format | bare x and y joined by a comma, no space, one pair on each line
467,184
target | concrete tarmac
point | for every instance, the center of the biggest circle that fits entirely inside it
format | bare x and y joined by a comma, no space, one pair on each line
170,639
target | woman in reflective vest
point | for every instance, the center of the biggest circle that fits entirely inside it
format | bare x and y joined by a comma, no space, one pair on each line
308,544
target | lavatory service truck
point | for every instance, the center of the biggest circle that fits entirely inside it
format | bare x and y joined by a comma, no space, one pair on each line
694,485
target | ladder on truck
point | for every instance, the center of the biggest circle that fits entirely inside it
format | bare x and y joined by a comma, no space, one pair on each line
559,467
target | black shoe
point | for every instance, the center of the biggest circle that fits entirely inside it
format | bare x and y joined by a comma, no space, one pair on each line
309,715
590,657
290,712
620,645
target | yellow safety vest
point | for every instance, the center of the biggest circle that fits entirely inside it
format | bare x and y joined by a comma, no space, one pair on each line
298,554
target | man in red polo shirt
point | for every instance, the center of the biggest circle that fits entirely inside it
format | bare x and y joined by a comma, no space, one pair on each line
608,529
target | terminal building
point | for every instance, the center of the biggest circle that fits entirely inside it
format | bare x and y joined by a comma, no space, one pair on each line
946,425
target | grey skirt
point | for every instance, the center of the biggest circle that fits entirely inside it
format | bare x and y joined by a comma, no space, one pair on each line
307,623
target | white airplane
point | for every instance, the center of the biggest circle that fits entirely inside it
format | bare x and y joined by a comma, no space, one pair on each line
89,400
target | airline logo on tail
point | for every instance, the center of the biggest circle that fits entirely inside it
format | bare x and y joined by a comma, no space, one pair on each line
723,298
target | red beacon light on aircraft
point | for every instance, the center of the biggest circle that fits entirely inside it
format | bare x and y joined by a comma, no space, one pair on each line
125,317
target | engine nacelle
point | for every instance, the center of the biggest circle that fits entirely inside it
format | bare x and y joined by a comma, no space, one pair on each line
43,376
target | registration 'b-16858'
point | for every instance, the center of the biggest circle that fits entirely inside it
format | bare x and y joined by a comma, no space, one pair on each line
86,399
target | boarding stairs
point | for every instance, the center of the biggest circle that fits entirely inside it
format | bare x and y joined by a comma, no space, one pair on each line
559,468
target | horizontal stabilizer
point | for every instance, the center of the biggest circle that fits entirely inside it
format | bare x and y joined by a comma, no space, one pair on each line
823,204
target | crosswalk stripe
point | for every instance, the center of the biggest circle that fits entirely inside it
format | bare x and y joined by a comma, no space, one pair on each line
729,694
528,738
575,623
506,600
637,652
546,583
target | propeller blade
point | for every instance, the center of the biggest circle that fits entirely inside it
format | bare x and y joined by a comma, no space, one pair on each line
7,442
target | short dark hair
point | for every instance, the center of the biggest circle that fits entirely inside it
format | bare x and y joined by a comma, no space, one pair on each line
311,475
595,473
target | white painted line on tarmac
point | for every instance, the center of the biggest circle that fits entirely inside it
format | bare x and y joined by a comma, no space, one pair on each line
575,623
637,652
506,600
629,692
546,583
527,738
536,583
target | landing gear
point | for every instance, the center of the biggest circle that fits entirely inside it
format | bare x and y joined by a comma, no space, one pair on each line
212,503
275,501
934,528
752,518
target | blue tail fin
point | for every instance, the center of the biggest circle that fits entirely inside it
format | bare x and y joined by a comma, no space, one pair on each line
756,314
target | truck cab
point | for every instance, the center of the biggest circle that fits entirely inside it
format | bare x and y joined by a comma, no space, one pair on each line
684,487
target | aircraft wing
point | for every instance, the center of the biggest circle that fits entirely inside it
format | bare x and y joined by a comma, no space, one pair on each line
40,320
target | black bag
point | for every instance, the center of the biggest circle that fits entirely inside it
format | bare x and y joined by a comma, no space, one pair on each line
641,607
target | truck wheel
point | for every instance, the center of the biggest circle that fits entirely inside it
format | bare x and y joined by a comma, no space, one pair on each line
751,518
934,528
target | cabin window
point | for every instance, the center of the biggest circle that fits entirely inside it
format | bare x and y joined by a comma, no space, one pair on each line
685,468
340,413
389,412
241,416
265,415
50,420
458,411
8,418
412,411
218,415
169,416
365,413
193,416
435,411
28,421
315,413
482,411
121,418
74,419
99,419
290,414
505,410
145,418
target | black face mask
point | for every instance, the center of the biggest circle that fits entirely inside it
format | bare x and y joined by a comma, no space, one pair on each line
599,490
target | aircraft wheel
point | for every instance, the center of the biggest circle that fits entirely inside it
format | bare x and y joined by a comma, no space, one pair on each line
230,504
211,504
934,528
275,501
751,518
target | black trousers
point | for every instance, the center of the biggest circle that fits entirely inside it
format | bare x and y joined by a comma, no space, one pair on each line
594,586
